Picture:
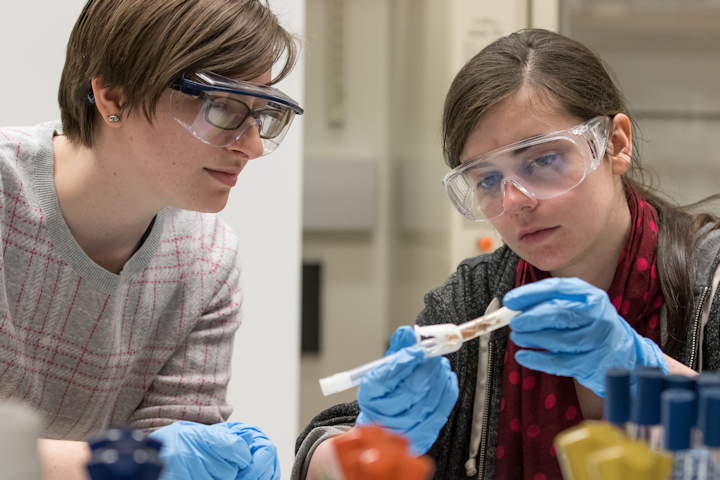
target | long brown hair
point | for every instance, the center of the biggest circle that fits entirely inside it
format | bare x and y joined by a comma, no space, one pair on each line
142,46
579,81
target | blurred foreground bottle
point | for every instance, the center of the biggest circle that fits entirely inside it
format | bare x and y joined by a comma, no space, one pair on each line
709,421
370,452
645,418
20,430
601,451
678,415
124,454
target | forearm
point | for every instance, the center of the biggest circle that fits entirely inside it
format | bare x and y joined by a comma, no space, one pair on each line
322,462
677,368
314,437
63,459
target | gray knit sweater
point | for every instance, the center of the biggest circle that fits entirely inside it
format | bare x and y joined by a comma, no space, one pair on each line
466,295
89,348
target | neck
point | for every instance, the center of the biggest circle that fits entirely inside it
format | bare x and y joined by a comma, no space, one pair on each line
105,215
598,266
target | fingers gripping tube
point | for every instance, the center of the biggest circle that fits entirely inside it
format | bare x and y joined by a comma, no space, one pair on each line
435,340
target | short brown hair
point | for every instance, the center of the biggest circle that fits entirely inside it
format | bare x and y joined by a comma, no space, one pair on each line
142,46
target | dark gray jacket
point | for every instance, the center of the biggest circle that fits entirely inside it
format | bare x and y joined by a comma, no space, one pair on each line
465,296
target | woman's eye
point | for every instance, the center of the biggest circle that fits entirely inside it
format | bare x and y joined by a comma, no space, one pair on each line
546,160
225,113
489,182
221,108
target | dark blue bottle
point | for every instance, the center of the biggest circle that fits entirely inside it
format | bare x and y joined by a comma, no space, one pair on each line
680,382
707,380
678,419
645,410
709,421
124,454
617,397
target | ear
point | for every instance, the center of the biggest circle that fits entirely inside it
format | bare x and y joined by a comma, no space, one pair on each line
109,102
619,147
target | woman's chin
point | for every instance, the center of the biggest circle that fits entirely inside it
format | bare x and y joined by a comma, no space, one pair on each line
548,261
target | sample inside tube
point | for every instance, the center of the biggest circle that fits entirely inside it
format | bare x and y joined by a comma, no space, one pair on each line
483,325
434,339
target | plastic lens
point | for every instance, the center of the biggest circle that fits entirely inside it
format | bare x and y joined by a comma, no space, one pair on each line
222,120
273,122
543,167
225,113
219,111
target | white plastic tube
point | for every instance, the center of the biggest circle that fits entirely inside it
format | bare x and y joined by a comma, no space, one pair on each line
350,378
435,340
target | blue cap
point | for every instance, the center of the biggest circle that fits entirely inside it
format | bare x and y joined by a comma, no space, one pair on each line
681,382
707,380
677,413
709,416
646,406
121,453
617,396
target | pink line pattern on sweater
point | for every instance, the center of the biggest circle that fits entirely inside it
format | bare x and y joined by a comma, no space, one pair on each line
153,349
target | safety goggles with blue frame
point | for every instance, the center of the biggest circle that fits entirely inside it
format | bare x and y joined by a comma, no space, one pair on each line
218,110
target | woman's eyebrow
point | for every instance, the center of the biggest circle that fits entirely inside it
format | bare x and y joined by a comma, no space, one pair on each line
518,151
514,151
479,165
527,139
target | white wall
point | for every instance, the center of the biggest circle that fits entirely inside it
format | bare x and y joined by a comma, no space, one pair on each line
264,209
33,52
355,264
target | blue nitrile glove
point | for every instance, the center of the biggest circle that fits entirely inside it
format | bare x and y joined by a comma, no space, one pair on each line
230,450
580,329
409,395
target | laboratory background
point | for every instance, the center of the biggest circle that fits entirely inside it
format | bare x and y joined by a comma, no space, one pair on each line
356,227
376,220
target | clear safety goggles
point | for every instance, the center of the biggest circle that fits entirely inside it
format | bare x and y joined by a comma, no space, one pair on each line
540,167
218,110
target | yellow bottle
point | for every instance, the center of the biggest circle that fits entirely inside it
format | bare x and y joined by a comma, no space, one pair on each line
629,459
576,444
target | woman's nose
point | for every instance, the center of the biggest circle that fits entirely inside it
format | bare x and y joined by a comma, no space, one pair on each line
516,197
250,142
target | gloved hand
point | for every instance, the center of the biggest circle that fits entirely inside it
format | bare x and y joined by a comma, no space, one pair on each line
409,395
580,329
230,450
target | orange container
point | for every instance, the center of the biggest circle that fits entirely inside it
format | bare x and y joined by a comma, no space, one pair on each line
371,452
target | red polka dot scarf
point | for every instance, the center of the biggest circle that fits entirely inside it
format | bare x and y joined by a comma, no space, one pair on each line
536,406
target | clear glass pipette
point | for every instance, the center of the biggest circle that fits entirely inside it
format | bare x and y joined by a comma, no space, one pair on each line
435,340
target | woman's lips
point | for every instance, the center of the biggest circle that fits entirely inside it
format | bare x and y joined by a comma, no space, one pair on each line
229,179
536,236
